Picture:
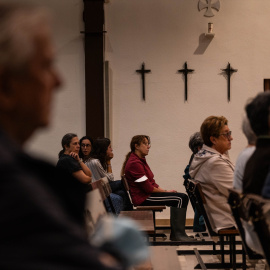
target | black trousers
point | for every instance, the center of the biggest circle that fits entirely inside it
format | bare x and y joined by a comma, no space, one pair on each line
179,200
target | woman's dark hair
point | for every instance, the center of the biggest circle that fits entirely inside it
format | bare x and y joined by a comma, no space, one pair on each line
84,138
66,142
138,139
99,150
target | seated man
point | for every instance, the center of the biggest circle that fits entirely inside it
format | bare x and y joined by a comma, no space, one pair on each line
42,222
212,167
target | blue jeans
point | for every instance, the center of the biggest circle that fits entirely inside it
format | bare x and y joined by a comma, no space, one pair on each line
198,224
117,202
118,188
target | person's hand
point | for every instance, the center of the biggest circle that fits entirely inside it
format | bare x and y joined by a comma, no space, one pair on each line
110,156
173,191
75,156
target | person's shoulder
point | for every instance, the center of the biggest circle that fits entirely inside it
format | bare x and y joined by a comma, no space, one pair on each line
9,150
220,161
134,163
92,161
66,157
134,159
219,158
245,154
65,160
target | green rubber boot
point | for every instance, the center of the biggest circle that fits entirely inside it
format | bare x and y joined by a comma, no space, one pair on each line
178,223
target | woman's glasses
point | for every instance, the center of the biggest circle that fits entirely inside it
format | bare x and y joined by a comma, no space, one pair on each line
228,135
85,145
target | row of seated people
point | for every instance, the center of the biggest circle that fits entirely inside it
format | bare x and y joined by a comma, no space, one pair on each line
89,161
212,167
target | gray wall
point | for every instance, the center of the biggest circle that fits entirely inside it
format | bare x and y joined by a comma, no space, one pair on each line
69,106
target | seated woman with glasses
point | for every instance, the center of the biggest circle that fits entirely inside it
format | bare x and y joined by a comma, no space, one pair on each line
146,192
99,162
86,143
212,167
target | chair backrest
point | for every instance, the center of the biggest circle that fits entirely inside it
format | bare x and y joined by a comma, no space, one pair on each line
259,212
105,190
198,199
125,184
99,185
94,209
239,206
186,184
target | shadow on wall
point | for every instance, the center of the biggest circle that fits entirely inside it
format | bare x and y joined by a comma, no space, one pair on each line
204,42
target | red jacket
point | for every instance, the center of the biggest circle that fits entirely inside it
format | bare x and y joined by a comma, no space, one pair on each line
138,169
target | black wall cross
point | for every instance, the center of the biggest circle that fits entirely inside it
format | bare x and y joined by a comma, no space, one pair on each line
229,70
185,71
143,71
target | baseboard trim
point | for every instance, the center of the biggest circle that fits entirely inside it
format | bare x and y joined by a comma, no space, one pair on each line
166,222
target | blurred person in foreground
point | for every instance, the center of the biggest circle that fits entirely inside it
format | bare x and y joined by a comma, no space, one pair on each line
258,164
244,155
42,224
250,235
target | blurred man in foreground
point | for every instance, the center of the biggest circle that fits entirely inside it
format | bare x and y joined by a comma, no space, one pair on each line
42,224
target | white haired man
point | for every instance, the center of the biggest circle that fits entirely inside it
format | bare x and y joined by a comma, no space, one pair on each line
42,225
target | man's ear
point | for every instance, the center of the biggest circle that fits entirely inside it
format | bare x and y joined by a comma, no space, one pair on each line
213,140
136,146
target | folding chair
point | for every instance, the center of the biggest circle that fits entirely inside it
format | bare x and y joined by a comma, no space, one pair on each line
240,213
199,200
186,185
259,213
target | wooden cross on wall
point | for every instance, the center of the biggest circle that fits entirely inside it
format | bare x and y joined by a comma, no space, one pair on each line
185,71
143,71
229,70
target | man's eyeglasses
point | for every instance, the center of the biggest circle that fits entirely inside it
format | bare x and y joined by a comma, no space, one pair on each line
86,145
228,134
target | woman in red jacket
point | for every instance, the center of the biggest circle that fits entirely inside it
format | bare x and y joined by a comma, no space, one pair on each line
145,191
